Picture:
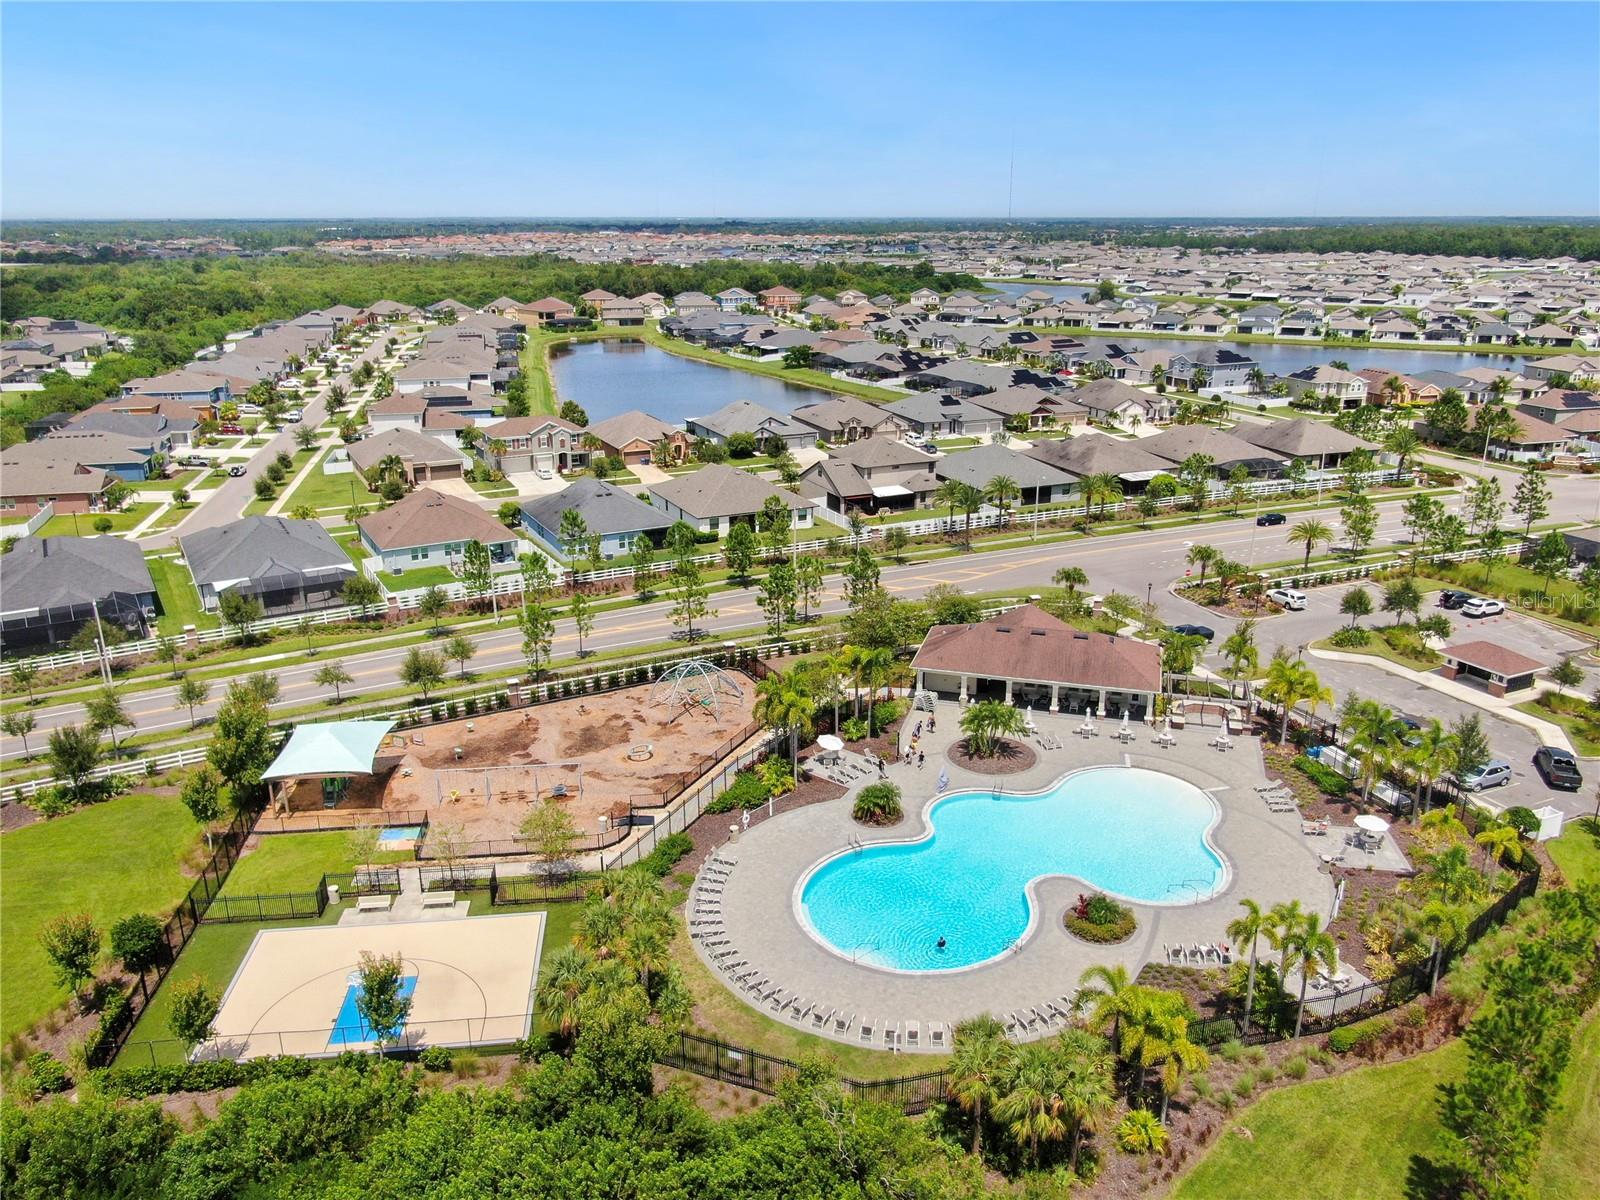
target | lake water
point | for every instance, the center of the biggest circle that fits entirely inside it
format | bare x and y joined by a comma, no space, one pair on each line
1057,291
613,376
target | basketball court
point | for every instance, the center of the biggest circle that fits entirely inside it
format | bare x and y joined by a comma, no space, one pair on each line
471,983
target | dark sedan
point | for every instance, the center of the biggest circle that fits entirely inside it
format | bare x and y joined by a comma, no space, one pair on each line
1560,769
1199,631
1271,519
1450,598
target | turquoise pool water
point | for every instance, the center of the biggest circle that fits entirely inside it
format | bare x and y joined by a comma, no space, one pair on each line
348,1027
400,833
1137,834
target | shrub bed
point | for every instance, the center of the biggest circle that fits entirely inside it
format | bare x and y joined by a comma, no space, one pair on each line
1325,777
877,804
1101,920
1354,1037
669,850
746,791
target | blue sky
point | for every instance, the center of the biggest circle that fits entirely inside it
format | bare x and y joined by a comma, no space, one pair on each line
660,110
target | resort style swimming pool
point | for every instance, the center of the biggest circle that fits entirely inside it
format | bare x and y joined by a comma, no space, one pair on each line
1137,834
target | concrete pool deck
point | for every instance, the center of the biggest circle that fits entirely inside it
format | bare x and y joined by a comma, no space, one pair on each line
1268,857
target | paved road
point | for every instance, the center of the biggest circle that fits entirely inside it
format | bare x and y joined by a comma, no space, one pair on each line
228,500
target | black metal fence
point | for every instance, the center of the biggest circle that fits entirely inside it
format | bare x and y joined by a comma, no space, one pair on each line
747,1068
333,819
289,906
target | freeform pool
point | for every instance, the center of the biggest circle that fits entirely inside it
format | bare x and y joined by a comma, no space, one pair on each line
1137,834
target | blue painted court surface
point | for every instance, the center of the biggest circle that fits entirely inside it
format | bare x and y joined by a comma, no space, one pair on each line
348,1027
1137,834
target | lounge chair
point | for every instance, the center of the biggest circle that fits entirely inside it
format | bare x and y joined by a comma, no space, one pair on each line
801,1008
730,967
745,976
912,1038
1057,1011
868,1028
936,1036
1013,1025
778,1000
755,986
891,1039
842,1023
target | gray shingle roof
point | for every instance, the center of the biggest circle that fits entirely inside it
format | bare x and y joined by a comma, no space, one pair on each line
44,573
719,491
260,547
982,463
605,509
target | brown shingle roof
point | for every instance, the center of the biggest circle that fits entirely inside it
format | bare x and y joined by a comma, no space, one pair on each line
1491,656
1028,643
427,518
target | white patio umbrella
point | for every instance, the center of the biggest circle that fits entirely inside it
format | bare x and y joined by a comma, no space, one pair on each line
1372,824
830,745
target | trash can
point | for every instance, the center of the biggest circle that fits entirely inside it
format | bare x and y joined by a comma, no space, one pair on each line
333,893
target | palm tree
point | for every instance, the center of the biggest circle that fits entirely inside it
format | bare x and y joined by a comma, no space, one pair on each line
1084,1085
986,722
1101,489
1312,945
570,972
981,1056
1202,556
1501,841
1282,920
1249,928
646,950
1444,923
1403,443
1070,579
1377,736
949,495
599,928
782,706
1000,492
1239,648
1290,683
1432,757
390,466
1030,1107
1110,995
1310,533
1158,1036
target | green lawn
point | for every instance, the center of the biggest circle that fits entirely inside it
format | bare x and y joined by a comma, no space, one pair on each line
1577,851
322,491
183,479
1581,729
108,860
1334,1139
180,602
1569,1168
294,862
82,524
421,577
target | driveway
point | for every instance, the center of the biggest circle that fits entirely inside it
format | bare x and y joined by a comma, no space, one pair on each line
528,483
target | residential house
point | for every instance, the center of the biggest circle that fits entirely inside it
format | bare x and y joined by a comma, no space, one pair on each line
1558,406
1225,450
127,456
617,517
939,415
1112,402
423,459
550,310
55,586
1534,441
1493,333
1029,407
1316,443
779,299
288,566
622,313
544,444
734,299
713,498
693,304
503,307
1300,323
873,475
743,416
654,305
1574,366
633,436
1221,369
203,393
1101,454
1394,329
430,529
1261,319
29,482
595,297
925,298
1328,383
163,434
846,419
1549,335
1349,326
1039,482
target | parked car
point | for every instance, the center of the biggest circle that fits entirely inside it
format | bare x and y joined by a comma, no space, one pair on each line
235,472
1292,600
1450,598
1271,519
1482,606
1199,631
293,416
1560,769
1494,773
231,428
194,460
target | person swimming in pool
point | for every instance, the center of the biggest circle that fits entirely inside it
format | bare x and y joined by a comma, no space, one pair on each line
941,943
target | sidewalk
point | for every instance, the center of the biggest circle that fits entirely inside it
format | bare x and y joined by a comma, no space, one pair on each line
1549,733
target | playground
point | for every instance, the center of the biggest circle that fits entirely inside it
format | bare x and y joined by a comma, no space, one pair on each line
596,755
